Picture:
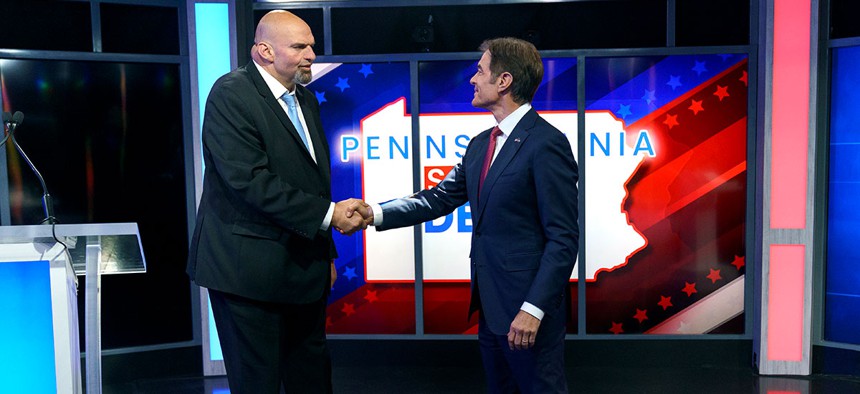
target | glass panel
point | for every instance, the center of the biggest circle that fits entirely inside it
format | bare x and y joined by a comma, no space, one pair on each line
666,194
120,243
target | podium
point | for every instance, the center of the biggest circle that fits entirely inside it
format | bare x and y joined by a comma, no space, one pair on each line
38,301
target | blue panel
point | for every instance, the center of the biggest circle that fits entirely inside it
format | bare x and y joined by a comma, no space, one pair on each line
842,252
215,353
212,24
844,117
26,329
842,324
842,286
845,162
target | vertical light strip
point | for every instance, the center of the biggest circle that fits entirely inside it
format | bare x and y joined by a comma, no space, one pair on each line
212,53
790,113
785,303
212,37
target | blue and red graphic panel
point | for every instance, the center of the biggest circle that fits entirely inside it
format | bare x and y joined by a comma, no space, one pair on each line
665,190
349,94
684,145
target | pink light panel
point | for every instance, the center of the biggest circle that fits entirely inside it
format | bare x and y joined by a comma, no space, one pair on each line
790,113
785,303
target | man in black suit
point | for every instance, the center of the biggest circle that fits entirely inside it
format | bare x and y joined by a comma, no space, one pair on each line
262,243
520,181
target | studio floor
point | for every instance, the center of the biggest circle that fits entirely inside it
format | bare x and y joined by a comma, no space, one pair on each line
454,367
584,380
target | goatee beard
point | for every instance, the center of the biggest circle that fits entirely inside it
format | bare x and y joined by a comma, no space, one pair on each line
303,77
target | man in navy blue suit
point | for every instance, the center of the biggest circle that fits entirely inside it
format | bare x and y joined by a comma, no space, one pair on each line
520,180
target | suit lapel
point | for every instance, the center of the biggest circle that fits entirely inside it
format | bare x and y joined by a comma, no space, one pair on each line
275,106
512,145
315,131
473,168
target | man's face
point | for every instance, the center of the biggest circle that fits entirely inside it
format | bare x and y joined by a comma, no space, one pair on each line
486,90
294,54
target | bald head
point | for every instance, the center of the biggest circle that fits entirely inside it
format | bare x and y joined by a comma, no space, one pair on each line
276,24
283,46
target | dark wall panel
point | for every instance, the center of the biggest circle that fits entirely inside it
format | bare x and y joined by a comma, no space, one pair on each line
46,25
139,29
571,25
712,22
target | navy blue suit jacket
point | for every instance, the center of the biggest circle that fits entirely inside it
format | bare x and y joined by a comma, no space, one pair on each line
525,231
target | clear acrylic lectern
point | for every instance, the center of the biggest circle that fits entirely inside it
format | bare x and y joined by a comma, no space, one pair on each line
38,292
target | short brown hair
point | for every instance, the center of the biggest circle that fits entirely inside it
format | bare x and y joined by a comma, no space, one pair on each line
521,59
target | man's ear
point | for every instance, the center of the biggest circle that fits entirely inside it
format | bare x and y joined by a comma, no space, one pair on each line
264,50
504,81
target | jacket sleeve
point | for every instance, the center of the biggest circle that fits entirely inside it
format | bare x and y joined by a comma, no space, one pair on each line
427,204
556,175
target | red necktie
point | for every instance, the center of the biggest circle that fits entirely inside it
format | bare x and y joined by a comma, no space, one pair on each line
491,149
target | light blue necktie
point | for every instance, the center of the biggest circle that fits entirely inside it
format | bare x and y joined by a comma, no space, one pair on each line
294,117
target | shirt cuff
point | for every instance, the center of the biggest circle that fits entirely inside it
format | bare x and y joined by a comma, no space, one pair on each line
532,310
326,223
377,213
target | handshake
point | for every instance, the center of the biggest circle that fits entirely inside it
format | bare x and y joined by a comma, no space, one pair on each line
345,220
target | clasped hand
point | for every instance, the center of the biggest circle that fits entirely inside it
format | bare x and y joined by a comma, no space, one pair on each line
344,219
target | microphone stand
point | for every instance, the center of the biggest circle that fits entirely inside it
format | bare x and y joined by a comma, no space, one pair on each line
7,127
11,123
47,202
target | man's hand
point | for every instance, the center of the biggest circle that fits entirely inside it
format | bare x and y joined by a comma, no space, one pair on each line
343,219
364,210
523,331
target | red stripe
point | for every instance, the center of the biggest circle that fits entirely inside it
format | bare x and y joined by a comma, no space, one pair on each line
675,184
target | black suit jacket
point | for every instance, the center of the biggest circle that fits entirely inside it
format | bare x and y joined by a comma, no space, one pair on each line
525,231
257,233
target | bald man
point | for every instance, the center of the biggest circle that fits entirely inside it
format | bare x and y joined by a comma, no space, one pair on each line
262,245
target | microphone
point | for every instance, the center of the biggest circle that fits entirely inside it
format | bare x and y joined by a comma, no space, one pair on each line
47,203
17,119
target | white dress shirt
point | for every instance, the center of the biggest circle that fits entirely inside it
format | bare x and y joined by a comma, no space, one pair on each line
278,90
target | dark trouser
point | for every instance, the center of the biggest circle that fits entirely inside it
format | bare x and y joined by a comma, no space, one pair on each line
267,346
537,370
